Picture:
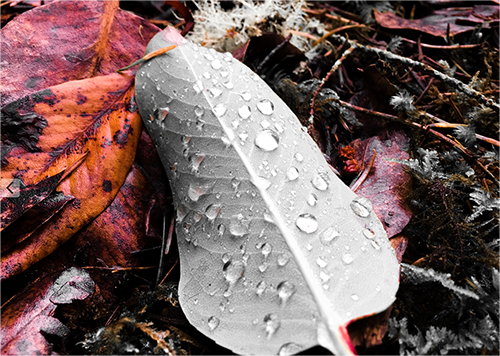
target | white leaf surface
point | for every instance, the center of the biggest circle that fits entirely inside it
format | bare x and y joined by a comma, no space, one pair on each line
277,254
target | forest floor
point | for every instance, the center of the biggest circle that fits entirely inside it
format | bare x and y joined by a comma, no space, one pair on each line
416,81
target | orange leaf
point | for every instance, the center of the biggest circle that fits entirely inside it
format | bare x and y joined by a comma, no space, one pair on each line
97,117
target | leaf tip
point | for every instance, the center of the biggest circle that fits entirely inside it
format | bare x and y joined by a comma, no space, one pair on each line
171,35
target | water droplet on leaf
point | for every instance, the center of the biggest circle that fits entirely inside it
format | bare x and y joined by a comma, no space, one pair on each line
361,206
213,323
267,140
244,112
265,106
215,92
347,258
233,271
216,64
266,249
283,259
212,211
261,287
329,234
292,173
246,96
369,234
237,227
321,262
354,297
320,181
219,109
271,323
289,349
285,291
307,223
312,199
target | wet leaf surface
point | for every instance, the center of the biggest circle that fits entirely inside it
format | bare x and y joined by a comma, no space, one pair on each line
264,227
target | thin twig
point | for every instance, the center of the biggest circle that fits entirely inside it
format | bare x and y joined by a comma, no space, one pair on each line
273,52
325,79
451,82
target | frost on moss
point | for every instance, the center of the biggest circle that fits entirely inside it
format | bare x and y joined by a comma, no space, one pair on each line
226,30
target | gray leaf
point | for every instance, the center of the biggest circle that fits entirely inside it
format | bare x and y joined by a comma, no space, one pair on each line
277,254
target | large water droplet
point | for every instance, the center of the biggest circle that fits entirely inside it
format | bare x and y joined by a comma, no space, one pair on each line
265,106
292,173
361,206
237,226
312,199
354,297
216,64
271,323
347,258
320,181
213,323
261,287
329,234
307,223
244,112
289,349
212,211
285,291
267,140
219,109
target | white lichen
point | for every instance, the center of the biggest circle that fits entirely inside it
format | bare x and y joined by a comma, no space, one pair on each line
226,30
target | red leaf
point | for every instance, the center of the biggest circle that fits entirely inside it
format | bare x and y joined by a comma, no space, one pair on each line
68,40
27,315
437,23
387,185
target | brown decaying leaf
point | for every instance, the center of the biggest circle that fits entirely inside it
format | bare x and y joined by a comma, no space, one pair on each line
95,117
387,186
458,19
68,40
28,316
